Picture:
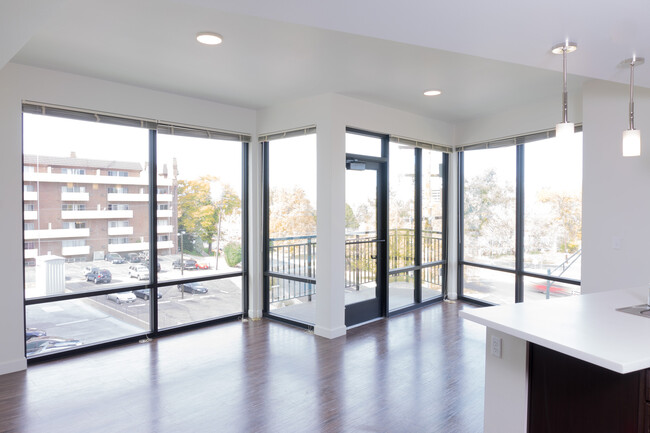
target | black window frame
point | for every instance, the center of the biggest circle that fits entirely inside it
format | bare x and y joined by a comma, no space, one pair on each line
153,284
518,271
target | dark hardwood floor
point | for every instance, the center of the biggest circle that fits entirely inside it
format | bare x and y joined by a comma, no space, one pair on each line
422,371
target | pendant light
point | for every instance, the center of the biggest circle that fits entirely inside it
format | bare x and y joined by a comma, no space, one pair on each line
565,128
632,137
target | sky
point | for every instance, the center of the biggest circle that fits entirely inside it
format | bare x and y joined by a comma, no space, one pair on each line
54,136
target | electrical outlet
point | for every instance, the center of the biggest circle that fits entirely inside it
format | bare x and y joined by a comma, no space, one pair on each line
496,346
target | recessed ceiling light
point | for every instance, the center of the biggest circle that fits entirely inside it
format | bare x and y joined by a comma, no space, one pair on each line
432,92
209,38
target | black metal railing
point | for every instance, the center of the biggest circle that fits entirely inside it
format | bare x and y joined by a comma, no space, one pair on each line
294,257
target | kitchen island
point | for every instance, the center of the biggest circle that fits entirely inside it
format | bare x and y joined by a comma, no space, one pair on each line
575,359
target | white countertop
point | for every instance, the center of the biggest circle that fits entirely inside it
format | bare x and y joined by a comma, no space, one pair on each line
587,327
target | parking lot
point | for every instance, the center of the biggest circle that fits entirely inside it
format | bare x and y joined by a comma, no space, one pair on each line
96,318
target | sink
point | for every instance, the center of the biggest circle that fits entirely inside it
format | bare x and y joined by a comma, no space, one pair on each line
642,310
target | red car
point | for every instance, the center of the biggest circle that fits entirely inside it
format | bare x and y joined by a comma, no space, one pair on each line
202,265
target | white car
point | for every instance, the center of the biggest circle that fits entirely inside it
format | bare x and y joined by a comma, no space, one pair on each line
139,272
118,298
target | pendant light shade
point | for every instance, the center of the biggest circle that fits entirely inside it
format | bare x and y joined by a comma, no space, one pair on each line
632,142
632,137
565,128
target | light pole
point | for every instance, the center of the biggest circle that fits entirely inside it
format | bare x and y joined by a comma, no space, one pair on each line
182,261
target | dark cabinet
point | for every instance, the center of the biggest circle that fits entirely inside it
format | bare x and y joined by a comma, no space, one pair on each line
570,395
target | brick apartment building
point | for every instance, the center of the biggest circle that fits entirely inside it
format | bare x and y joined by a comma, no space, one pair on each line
83,209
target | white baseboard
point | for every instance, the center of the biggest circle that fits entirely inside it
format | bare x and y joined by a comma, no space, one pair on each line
13,366
330,333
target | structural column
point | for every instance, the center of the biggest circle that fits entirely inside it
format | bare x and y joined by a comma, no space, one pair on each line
330,272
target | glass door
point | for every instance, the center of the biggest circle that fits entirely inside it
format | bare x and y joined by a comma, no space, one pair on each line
365,246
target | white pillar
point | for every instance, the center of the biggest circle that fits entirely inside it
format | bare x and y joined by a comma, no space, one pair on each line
452,228
330,272
255,233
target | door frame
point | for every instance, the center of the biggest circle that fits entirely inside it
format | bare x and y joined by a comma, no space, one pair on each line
364,311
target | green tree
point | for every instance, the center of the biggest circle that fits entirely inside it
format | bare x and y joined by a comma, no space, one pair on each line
199,213
351,222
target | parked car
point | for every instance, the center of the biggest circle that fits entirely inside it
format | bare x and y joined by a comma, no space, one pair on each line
139,272
89,269
192,288
133,258
114,258
202,266
33,333
145,294
189,264
121,297
146,263
47,344
99,276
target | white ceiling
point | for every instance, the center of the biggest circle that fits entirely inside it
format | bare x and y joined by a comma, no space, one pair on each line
484,56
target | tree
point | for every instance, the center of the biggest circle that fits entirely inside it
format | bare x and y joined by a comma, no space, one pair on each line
199,213
291,213
490,214
351,222
565,218
196,212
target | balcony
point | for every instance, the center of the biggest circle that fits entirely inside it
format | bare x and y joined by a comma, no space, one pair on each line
30,215
142,180
137,246
164,197
75,251
30,196
56,234
31,253
75,196
165,229
164,213
94,214
128,197
165,244
128,248
115,231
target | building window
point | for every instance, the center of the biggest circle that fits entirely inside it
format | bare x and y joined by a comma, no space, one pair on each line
116,190
28,226
114,224
116,241
118,207
29,188
73,189
74,225
65,170
118,173
73,207
29,207
73,243
163,206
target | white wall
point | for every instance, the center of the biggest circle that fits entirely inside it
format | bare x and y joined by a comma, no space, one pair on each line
18,83
536,116
615,190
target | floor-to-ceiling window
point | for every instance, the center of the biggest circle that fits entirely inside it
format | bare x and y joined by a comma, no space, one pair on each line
521,209
130,227
290,225
417,194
